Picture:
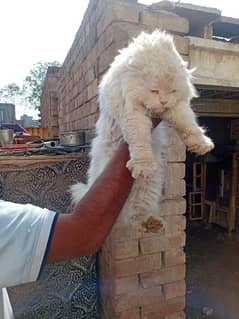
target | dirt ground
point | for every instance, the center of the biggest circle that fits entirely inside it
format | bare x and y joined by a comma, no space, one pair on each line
212,272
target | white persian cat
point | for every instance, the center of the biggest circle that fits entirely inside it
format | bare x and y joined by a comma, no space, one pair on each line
147,78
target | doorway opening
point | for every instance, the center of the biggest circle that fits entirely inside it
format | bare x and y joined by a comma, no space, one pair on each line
212,248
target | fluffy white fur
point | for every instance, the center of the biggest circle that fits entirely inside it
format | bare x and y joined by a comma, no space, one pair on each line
147,78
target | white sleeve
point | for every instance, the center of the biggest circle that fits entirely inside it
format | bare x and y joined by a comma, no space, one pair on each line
24,234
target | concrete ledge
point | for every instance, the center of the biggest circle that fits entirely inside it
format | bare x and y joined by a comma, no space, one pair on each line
213,45
217,63
165,20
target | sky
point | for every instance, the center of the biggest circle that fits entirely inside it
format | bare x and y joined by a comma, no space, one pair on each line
31,31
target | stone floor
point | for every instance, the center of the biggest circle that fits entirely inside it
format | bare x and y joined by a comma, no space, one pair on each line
212,272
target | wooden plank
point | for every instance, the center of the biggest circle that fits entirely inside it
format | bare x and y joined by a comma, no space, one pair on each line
8,163
192,205
216,107
234,129
232,207
42,132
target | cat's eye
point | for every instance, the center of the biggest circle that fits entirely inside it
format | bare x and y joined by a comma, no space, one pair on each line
155,91
173,91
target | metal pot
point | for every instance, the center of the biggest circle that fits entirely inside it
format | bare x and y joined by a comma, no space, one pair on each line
6,137
72,138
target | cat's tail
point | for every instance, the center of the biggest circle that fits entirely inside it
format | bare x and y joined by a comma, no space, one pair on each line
77,192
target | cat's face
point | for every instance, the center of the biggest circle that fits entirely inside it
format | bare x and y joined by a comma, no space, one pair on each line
160,97
154,73
167,92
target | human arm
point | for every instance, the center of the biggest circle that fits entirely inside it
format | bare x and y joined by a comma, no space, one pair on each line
27,230
84,230
31,236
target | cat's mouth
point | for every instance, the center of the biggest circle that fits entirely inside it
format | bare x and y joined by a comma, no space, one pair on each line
155,111
151,112
155,114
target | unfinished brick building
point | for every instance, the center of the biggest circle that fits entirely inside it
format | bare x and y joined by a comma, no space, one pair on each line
142,275
49,102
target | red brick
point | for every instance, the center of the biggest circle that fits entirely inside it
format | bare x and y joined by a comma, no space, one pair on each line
107,310
174,257
165,20
121,231
94,106
117,11
105,20
174,224
163,308
162,243
125,249
131,314
92,89
126,12
174,180
105,40
126,285
105,258
106,280
175,170
137,265
173,207
175,289
177,153
91,121
163,276
138,298
152,316
100,8
178,315
174,188
89,76
174,138
107,58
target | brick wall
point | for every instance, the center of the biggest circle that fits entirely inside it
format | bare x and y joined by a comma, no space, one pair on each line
49,102
106,27
141,274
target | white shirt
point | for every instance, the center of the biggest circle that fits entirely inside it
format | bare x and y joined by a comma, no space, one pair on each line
24,235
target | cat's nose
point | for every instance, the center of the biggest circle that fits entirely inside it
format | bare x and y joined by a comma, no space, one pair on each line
163,102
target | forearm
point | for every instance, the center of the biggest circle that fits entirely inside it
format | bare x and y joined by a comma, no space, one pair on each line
83,231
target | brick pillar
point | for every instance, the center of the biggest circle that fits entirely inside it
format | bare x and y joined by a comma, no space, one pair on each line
142,274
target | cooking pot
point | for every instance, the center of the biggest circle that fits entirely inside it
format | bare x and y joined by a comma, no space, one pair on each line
72,138
6,137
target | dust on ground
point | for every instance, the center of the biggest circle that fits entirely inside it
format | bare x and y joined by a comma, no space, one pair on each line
212,272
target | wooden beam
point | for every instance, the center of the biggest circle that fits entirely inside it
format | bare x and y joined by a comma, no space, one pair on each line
216,107
232,207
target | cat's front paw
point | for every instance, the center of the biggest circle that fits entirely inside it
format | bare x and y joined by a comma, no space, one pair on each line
141,168
200,144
